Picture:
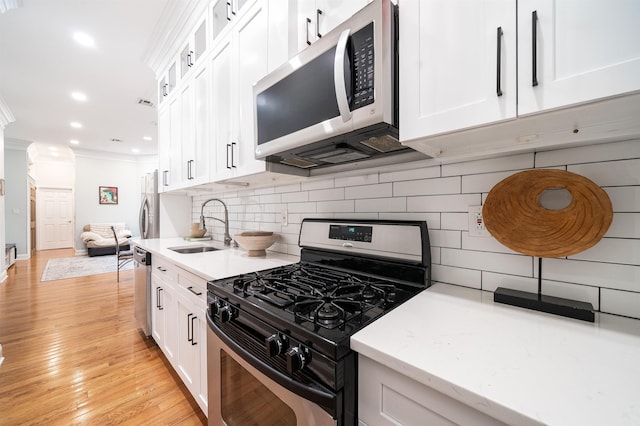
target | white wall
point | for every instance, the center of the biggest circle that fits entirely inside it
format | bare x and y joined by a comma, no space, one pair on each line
607,275
93,171
16,211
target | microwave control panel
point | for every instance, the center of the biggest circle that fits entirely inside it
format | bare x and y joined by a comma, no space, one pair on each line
362,60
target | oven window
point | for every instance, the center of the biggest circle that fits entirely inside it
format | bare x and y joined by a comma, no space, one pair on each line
246,401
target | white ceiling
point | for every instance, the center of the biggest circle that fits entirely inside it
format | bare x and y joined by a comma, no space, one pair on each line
41,65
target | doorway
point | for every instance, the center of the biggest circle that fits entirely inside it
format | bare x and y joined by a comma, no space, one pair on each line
32,219
55,218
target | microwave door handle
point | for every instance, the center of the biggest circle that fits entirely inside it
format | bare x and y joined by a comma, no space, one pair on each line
338,77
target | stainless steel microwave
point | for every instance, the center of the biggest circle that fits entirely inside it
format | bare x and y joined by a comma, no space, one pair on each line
336,101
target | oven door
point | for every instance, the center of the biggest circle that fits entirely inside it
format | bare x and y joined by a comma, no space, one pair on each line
239,394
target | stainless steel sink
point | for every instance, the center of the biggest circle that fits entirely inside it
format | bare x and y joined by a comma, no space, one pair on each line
192,249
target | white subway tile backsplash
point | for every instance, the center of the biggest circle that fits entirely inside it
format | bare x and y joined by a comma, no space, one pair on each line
458,276
440,238
369,191
609,275
624,225
382,205
432,219
411,174
369,179
295,197
312,185
625,198
483,244
613,250
441,195
484,261
620,303
450,185
483,182
326,194
589,154
515,162
612,173
336,206
443,203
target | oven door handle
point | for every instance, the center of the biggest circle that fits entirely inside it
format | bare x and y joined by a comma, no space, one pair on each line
325,399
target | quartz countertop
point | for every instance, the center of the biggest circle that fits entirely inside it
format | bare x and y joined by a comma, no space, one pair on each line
516,365
222,263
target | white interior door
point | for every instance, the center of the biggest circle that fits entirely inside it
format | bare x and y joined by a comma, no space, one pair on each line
55,218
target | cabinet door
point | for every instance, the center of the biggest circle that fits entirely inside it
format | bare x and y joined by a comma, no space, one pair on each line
169,346
334,12
199,168
186,141
175,148
585,50
252,58
456,76
164,148
223,98
201,339
188,351
157,314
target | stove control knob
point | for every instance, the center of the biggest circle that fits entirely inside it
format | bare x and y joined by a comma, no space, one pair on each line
276,344
227,313
298,357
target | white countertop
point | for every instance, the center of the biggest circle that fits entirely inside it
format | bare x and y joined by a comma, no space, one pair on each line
213,265
519,366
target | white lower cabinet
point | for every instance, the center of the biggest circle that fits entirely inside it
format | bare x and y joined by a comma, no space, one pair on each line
386,397
179,324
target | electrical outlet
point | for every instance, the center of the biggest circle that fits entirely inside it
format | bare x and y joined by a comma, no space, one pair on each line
284,217
476,223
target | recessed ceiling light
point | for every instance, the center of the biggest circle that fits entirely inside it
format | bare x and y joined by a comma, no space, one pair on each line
78,96
83,39
75,125
147,138
135,150
53,148
74,142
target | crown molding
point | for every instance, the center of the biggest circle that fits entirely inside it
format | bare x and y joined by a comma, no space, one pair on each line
6,116
6,5
178,19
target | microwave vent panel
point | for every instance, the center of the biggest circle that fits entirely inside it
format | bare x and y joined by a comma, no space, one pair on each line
386,143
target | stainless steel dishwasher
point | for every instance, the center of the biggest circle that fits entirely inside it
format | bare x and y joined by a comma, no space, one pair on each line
142,289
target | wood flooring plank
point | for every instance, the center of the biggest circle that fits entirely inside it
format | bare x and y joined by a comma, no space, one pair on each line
74,356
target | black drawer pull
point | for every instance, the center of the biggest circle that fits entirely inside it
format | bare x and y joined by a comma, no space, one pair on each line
197,293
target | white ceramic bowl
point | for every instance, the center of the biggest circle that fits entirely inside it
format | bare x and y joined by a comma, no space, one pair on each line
256,242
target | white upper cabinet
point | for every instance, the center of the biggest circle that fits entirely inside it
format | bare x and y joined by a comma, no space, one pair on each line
316,18
585,50
457,64
222,105
167,82
164,153
225,12
463,67
194,48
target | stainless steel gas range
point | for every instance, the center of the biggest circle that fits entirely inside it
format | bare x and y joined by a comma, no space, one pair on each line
278,340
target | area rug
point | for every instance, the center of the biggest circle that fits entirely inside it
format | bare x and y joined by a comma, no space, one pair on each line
79,266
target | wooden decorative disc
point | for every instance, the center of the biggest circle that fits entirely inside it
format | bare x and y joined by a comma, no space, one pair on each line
513,214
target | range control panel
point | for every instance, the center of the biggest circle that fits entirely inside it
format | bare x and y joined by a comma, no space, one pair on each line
351,233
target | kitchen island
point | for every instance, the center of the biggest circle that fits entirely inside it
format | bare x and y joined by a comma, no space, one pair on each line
514,365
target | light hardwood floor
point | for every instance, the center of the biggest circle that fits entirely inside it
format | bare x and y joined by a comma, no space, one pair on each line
73,355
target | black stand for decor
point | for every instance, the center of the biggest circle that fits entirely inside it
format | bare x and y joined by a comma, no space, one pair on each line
539,302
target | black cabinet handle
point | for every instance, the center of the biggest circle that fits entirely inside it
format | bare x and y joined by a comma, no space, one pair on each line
193,340
197,293
161,269
160,307
228,9
318,13
233,162
165,178
228,147
499,62
190,170
189,323
190,58
534,48
307,33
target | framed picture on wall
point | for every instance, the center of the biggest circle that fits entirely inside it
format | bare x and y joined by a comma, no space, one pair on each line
108,194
